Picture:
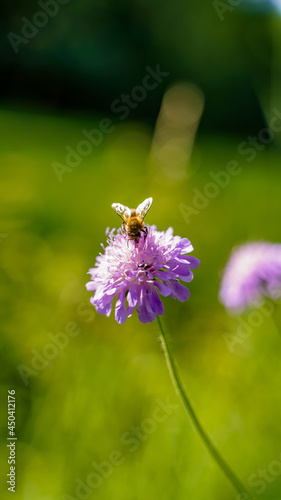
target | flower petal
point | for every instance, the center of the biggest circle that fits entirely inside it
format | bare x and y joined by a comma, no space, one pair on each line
190,260
162,275
91,286
187,278
103,308
185,245
163,289
155,302
132,296
120,309
101,300
145,316
181,292
193,262
130,311
178,268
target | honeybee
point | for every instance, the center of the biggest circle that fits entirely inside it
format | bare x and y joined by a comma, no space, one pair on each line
133,218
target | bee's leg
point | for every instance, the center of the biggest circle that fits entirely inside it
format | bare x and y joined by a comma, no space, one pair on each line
128,242
145,231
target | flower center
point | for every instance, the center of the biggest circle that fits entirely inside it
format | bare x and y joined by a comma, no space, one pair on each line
144,266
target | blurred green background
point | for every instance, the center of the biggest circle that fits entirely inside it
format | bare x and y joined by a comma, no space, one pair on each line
104,380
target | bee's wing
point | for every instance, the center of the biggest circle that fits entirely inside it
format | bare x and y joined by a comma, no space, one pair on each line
143,208
121,210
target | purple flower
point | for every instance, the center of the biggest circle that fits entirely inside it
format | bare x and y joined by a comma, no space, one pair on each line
137,273
252,272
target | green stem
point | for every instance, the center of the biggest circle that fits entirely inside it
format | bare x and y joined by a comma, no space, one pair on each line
192,415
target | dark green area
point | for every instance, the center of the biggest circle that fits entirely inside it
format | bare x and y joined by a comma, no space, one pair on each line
90,52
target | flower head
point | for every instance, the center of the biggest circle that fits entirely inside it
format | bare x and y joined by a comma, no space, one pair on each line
252,272
136,273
